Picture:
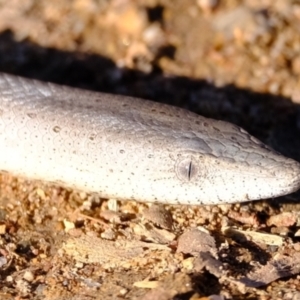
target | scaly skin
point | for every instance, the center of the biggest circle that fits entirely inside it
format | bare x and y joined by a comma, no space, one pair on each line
128,148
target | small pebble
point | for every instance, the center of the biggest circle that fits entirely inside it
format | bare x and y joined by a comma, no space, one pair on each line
159,215
28,276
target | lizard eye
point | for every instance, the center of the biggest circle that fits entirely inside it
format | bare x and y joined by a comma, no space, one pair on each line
186,169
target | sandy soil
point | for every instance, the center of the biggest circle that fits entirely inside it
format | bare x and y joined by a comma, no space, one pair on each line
232,60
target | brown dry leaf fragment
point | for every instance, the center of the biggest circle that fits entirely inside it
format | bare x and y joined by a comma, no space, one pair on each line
159,215
255,237
216,268
284,219
111,216
244,217
194,241
89,249
94,250
281,266
150,233
211,264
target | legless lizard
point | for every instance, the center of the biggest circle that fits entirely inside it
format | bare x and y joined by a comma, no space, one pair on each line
128,148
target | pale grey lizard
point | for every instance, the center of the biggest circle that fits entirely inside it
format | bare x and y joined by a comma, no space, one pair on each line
128,148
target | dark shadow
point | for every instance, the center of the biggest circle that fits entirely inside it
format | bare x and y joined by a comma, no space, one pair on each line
205,283
155,14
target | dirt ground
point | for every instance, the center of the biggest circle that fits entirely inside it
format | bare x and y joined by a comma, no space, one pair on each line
232,60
